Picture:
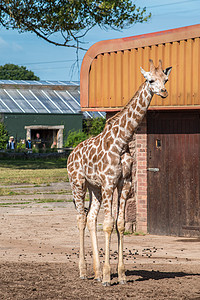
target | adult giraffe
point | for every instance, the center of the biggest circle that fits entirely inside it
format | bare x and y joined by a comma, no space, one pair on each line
103,163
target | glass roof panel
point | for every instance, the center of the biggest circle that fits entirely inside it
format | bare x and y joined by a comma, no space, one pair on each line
58,101
43,97
33,101
41,100
41,82
20,100
4,81
73,104
9,102
3,108
32,82
75,94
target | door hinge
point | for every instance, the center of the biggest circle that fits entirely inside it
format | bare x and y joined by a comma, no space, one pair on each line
153,169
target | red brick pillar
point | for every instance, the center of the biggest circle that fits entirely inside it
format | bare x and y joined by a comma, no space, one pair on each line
136,207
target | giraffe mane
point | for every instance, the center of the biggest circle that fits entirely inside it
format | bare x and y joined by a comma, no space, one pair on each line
114,118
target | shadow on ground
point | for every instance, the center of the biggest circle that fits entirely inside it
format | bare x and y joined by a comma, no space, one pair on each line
154,275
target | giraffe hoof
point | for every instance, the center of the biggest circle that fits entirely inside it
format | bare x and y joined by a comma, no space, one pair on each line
83,277
122,282
106,283
97,279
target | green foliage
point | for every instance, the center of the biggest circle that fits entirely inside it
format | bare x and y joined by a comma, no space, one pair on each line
91,127
21,146
15,72
75,137
94,126
72,18
3,136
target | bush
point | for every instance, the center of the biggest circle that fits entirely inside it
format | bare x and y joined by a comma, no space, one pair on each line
21,146
3,136
93,126
74,138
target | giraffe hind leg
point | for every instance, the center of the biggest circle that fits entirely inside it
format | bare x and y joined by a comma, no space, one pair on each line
123,193
108,225
95,203
124,187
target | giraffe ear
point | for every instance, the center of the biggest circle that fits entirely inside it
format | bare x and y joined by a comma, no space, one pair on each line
144,73
167,71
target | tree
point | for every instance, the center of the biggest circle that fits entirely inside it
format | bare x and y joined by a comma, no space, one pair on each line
3,136
93,127
72,18
75,137
15,72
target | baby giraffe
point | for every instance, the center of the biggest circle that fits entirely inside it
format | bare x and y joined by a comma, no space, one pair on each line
103,163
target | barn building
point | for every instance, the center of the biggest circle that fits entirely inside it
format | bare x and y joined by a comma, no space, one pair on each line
50,108
166,147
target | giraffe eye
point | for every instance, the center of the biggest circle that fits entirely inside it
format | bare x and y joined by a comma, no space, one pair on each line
151,81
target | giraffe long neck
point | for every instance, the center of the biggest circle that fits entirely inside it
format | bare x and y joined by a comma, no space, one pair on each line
123,124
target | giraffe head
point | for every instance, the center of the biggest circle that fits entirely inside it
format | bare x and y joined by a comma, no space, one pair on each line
156,78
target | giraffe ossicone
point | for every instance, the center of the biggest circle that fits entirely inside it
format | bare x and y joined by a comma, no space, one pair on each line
103,163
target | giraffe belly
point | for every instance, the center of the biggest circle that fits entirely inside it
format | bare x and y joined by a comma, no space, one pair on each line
110,176
93,180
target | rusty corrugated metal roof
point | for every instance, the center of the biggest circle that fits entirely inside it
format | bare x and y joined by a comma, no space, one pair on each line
110,72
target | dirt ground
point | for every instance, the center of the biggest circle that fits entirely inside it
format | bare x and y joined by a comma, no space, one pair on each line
39,249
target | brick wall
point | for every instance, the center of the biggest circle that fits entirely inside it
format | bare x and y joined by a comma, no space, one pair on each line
136,207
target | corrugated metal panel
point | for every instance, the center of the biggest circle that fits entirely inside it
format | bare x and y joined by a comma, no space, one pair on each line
115,76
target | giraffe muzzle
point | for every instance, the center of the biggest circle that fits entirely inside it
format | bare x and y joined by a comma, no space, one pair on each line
164,93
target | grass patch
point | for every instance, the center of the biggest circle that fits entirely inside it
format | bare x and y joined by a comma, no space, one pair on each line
53,193
139,233
34,164
8,192
14,204
34,201
52,200
4,192
127,233
32,171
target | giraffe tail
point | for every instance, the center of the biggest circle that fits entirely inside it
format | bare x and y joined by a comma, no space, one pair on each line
74,203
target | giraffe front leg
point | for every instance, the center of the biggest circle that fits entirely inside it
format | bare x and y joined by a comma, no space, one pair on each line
92,226
81,220
123,194
121,266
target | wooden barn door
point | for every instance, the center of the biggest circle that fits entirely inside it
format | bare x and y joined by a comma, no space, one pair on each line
174,173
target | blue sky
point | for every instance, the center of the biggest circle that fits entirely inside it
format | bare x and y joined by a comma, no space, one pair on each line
51,62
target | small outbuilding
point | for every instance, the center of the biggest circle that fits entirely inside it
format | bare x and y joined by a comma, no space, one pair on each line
48,108
166,147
